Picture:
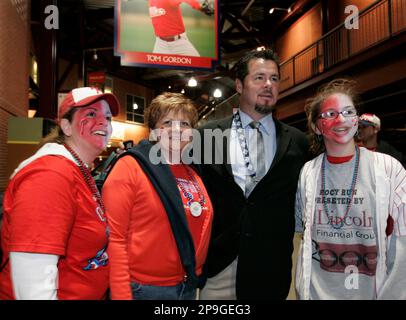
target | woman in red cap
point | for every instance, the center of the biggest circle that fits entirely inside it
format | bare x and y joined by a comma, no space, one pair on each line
55,233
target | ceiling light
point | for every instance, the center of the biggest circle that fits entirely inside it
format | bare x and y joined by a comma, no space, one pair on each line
217,93
280,9
31,113
95,55
192,82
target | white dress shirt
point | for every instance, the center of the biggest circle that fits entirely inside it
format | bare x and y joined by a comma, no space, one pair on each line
268,131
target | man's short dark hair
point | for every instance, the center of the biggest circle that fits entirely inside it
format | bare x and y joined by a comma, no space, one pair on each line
241,67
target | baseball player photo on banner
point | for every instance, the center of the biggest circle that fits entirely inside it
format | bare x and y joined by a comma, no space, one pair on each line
167,33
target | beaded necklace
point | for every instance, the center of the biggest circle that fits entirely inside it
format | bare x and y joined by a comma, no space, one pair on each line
189,196
237,124
100,210
353,184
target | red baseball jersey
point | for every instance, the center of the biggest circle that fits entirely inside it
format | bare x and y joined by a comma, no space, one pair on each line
166,16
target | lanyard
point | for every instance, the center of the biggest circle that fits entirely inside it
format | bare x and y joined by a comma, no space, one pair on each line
243,143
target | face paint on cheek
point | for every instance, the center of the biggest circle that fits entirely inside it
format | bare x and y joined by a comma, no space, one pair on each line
85,127
83,122
325,126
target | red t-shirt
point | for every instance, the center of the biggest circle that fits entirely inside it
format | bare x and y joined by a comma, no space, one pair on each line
183,176
49,209
166,16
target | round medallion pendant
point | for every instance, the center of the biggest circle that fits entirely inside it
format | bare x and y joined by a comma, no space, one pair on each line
195,209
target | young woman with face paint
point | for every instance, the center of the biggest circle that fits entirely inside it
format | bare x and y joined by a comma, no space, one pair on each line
351,208
54,236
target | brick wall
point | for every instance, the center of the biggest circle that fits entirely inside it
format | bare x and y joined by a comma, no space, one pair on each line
14,46
3,148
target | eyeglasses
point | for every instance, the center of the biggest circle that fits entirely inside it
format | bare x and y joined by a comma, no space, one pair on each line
175,123
333,114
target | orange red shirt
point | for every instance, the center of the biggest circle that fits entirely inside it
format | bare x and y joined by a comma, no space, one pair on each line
142,247
48,208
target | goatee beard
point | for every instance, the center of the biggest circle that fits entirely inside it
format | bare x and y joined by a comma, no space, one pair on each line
264,109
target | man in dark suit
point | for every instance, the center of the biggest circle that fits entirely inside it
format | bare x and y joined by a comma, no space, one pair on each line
251,245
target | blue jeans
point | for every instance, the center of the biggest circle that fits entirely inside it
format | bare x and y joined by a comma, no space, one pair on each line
181,291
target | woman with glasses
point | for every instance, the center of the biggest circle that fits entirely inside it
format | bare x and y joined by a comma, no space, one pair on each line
160,213
350,207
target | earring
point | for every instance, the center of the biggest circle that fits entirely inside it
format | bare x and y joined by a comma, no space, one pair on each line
319,137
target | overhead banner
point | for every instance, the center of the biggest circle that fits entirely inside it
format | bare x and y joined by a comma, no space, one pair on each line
167,33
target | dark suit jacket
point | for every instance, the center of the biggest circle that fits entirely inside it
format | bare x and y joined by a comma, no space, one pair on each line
259,230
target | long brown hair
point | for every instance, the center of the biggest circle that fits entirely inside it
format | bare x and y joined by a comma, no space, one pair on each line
56,135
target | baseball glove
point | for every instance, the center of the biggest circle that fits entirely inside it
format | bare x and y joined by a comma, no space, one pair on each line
207,8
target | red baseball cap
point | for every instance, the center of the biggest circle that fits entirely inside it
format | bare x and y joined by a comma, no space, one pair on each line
81,97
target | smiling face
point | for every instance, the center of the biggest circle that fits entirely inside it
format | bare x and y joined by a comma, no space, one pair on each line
90,129
175,131
260,89
338,133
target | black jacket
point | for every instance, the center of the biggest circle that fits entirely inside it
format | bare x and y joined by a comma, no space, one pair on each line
259,230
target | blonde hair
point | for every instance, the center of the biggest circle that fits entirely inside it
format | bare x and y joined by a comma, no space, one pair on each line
313,106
